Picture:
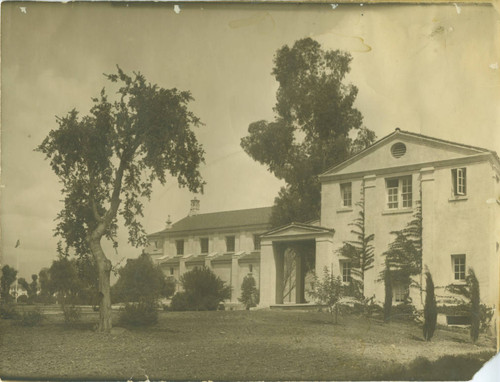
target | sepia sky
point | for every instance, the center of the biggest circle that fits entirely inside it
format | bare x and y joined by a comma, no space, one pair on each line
426,69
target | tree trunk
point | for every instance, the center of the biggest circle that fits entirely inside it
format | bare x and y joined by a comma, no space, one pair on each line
104,271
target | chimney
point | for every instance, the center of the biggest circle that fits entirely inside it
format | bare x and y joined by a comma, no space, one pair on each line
195,207
169,223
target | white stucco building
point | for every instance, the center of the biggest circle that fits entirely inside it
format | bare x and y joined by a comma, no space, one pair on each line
456,185
458,188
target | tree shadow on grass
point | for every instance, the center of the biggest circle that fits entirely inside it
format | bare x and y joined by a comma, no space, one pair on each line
449,367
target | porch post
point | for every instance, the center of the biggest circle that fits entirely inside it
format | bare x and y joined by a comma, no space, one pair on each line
299,277
279,267
267,274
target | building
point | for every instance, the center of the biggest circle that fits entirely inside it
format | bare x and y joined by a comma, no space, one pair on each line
456,186
227,242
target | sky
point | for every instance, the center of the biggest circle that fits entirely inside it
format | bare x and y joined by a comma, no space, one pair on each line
427,69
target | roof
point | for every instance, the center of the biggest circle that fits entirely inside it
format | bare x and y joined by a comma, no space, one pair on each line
297,230
399,132
224,219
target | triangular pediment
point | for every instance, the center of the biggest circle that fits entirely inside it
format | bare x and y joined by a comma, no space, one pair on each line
403,148
297,230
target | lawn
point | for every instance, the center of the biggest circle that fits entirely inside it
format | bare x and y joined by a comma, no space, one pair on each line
236,345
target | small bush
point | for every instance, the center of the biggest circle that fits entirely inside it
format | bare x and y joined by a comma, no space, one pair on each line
388,293
139,314
404,312
203,290
23,299
249,292
72,314
8,311
30,318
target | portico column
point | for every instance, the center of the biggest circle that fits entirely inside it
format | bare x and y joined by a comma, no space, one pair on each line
267,274
299,278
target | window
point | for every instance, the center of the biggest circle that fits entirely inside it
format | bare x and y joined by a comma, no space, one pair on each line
459,180
230,243
346,271
399,292
171,271
256,242
458,262
157,244
399,192
179,244
204,244
398,150
250,268
346,194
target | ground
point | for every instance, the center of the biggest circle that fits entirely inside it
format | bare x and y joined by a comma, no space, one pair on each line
236,345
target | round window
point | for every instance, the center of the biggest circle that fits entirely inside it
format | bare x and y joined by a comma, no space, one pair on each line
398,150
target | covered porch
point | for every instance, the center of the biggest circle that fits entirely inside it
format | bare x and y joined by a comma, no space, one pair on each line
290,256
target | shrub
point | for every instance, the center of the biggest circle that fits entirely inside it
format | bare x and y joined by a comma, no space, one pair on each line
388,293
328,291
475,305
404,312
8,311
430,309
72,314
249,292
141,280
23,299
203,290
139,314
30,318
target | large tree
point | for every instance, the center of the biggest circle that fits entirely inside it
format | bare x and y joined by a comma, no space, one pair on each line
9,275
360,251
311,131
107,162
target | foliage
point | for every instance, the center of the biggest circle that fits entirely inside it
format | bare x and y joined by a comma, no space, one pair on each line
404,255
480,314
30,317
404,311
360,251
108,160
314,116
388,292
141,280
249,292
143,313
8,310
71,313
328,291
31,288
430,308
203,290
46,290
9,275
475,302
22,299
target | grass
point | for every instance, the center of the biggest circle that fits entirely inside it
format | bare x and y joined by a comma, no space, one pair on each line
238,345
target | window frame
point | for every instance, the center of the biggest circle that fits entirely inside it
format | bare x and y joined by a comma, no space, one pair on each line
231,238
399,292
207,241
346,197
401,196
459,181
461,272
179,247
256,242
346,270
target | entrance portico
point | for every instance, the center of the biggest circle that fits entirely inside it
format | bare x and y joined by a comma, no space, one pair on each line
290,256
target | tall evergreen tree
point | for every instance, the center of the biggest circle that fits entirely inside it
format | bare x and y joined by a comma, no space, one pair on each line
430,308
475,302
360,252
388,292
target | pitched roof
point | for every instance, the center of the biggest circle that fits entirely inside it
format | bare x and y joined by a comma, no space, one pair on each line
399,132
224,219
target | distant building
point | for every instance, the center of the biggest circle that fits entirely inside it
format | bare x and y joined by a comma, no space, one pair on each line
227,242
